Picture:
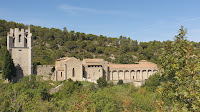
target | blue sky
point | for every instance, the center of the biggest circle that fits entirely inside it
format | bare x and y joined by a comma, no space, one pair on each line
142,20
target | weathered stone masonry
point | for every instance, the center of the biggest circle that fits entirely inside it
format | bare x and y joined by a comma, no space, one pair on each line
92,69
19,44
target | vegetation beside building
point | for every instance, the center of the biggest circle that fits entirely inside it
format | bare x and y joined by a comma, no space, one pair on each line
8,69
32,94
176,88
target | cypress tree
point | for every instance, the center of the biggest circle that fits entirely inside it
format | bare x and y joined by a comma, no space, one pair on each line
8,69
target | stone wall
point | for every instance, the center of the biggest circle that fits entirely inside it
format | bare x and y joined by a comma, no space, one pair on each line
74,69
131,74
92,69
19,56
60,75
68,68
94,72
44,70
139,72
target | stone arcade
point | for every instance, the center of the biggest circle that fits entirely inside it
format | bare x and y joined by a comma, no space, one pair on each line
92,69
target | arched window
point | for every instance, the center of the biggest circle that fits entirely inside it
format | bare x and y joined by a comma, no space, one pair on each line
73,72
61,74
114,75
138,74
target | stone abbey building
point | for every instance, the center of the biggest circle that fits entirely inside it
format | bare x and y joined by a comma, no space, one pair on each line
92,69
19,44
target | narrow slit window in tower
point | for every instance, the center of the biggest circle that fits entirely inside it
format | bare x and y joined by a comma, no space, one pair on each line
19,38
73,72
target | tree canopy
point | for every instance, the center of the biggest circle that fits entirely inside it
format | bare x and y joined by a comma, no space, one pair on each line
180,70
51,43
176,88
8,68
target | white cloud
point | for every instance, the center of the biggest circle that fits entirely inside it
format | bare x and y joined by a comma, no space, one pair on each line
75,11
188,20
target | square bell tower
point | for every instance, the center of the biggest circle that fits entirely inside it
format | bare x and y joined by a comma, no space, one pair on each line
19,44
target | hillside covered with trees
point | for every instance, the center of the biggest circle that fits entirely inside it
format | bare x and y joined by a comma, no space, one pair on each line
50,44
174,88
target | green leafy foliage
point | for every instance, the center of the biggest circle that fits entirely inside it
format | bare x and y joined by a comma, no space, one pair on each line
180,72
125,59
9,69
2,53
50,44
53,69
177,87
120,82
153,82
31,93
142,101
102,82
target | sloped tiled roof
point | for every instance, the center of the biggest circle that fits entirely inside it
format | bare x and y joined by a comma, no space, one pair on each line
94,64
142,64
64,59
93,60
132,65
143,61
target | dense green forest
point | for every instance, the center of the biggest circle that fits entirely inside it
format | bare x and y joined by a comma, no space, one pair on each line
176,87
50,44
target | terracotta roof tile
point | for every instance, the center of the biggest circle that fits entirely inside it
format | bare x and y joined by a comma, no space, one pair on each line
64,59
93,60
143,61
151,65
94,64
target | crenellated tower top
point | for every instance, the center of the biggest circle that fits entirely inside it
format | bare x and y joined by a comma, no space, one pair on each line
19,38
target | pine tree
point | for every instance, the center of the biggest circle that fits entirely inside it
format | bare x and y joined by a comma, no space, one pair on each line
8,69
